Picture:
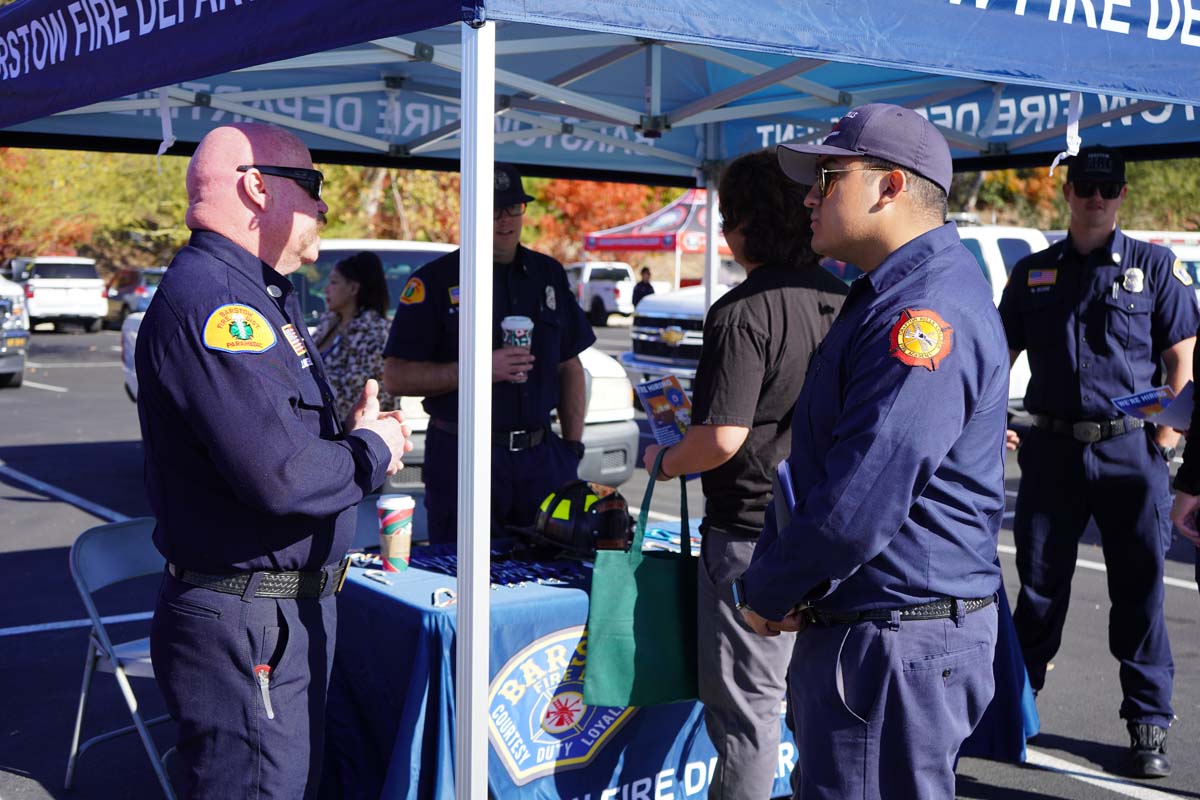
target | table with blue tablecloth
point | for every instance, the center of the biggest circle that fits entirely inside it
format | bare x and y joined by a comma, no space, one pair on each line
390,730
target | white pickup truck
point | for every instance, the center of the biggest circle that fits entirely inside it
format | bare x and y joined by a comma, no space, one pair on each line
668,329
602,288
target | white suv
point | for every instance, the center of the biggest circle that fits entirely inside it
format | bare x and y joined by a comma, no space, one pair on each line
14,334
62,289
998,248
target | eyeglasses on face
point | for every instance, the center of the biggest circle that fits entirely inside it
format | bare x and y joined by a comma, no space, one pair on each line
508,211
1107,189
310,179
825,183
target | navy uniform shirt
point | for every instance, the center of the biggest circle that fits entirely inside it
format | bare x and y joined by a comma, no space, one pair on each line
897,460
246,465
1095,326
425,328
758,339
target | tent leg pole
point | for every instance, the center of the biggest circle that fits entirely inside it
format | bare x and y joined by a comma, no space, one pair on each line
474,409
711,246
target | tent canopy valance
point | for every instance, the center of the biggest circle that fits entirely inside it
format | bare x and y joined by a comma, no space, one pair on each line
615,89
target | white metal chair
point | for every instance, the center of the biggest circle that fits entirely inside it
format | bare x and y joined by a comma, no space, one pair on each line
100,557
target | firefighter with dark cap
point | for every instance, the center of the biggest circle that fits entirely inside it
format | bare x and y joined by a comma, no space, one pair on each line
529,460
1098,312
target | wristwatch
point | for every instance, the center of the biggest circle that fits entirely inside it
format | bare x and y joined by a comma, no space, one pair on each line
576,447
1168,453
739,595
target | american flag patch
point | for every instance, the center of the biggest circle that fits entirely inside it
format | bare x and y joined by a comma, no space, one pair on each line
1042,277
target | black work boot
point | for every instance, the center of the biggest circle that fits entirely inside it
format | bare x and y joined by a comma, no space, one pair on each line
1148,750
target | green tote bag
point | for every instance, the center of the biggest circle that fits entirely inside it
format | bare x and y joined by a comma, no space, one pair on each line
641,628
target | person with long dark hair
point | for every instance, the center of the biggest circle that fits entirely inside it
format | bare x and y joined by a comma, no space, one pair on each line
352,332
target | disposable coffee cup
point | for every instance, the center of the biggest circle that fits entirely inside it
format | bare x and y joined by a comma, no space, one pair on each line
517,332
395,530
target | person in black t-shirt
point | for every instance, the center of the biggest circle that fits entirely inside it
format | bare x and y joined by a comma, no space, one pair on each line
758,340
642,287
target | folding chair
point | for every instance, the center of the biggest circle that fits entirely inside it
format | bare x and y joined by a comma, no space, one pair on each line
100,557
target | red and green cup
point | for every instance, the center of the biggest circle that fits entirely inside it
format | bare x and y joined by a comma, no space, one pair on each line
395,530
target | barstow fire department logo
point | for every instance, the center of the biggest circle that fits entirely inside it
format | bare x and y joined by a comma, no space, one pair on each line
237,328
921,338
537,721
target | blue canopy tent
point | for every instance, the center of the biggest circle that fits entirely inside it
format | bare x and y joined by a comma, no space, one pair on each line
663,91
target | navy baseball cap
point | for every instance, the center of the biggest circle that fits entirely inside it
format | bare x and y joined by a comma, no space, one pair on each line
1098,164
879,130
508,188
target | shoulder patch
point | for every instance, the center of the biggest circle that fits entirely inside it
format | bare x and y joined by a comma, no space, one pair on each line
1042,277
413,292
454,294
237,328
1180,271
921,338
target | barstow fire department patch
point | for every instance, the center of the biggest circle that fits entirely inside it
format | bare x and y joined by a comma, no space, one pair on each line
537,720
413,292
237,328
921,338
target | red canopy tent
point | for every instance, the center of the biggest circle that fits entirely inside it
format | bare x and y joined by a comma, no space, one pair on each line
678,226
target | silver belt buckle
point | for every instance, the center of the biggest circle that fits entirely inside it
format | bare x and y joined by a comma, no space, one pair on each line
1088,432
512,441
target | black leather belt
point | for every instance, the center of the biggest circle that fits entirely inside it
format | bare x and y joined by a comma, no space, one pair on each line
280,585
1089,431
512,440
938,609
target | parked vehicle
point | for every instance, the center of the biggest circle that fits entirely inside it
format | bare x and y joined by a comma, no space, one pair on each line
61,289
668,330
610,435
14,334
998,248
602,288
131,290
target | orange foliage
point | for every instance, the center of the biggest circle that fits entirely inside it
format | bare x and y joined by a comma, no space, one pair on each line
572,209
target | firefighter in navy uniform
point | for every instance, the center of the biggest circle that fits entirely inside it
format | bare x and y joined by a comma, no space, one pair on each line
528,460
887,558
1097,312
251,478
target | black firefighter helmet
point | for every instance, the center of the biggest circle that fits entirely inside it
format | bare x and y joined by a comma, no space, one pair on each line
581,517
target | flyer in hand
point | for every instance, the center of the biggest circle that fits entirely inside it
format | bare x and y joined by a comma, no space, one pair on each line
1160,406
668,409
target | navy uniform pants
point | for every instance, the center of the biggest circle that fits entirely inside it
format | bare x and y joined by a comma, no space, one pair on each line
880,709
521,480
1123,484
205,646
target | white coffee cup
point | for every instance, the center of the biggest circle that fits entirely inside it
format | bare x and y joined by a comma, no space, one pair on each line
517,332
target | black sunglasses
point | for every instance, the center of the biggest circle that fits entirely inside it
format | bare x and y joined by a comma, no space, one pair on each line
310,179
1108,189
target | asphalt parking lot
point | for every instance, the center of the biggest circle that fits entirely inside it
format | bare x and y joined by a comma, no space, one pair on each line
70,453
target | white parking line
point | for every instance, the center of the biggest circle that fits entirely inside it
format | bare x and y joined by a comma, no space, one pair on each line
45,387
71,364
21,630
62,494
1096,566
1095,777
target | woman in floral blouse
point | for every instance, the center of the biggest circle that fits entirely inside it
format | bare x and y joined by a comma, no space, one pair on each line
351,334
